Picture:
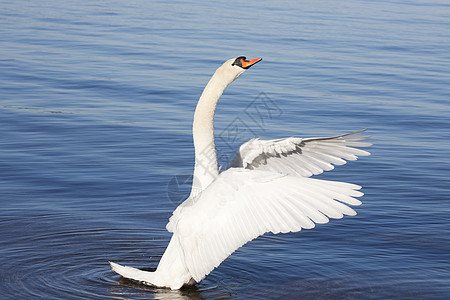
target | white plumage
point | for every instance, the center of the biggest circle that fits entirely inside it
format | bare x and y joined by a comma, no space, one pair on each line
303,157
265,188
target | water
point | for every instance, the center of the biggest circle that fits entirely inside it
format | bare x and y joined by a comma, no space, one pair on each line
97,99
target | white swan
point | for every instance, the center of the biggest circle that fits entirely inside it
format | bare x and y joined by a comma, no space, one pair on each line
266,188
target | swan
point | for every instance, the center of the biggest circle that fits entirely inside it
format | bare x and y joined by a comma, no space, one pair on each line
265,188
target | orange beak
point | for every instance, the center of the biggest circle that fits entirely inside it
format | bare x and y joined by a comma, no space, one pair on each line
246,63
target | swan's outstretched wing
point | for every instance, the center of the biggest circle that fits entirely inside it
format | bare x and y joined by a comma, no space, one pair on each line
242,204
303,157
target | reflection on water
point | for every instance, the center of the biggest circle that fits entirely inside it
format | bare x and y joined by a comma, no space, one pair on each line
189,292
95,124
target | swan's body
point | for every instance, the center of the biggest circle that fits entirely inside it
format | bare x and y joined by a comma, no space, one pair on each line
266,188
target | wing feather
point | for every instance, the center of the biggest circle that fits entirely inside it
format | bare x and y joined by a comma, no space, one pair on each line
303,157
250,203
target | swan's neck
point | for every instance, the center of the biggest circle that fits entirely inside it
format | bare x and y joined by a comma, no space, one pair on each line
206,166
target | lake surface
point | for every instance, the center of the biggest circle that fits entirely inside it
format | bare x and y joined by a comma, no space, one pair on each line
96,105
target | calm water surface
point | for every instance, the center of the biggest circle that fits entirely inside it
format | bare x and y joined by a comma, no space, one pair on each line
96,105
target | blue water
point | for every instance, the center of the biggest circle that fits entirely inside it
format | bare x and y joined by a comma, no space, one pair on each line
96,105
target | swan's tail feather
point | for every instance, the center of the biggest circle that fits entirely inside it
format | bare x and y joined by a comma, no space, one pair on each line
144,277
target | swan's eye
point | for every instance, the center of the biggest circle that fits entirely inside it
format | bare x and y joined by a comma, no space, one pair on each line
238,61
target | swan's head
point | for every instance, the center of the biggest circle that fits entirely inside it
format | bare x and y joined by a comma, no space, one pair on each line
234,67
244,63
